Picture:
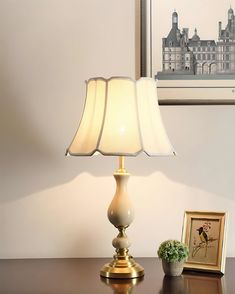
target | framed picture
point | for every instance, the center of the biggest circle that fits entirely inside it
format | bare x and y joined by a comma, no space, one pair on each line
204,233
189,50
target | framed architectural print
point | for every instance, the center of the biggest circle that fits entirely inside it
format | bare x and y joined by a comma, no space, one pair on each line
189,50
204,233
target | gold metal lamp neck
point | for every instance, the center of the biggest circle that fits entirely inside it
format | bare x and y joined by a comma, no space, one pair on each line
121,168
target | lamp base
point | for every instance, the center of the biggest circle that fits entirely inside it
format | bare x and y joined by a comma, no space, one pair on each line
122,267
121,214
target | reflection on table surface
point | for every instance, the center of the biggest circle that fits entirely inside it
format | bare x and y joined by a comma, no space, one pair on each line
193,283
81,275
122,286
204,283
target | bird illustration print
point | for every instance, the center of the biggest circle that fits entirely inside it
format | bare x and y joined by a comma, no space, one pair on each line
205,240
203,235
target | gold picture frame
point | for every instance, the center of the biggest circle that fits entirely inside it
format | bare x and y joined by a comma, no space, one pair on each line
204,233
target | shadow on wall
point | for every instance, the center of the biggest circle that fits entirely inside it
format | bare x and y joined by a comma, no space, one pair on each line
24,152
31,161
33,144
47,48
39,114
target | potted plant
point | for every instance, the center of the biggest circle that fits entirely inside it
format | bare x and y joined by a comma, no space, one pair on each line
173,254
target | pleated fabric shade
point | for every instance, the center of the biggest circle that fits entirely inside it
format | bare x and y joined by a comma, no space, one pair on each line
121,117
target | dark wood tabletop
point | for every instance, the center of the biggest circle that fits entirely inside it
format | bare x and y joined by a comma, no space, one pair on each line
81,276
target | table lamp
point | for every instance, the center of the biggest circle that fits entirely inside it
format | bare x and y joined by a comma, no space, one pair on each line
121,118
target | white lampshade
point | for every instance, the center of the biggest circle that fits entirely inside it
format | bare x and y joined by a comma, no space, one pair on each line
121,117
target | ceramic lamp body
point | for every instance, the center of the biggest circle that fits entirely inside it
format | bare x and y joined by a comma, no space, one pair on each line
121,215
121,211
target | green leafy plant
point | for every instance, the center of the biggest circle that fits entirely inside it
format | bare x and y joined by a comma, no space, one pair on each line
173,251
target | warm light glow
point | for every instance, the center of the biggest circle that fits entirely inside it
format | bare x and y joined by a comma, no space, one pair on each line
121,117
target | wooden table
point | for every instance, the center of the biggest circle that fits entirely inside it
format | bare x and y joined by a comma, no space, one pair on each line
81,276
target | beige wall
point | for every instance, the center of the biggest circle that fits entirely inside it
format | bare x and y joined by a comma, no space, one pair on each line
52,206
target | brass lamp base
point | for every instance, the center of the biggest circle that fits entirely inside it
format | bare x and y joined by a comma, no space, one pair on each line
122,267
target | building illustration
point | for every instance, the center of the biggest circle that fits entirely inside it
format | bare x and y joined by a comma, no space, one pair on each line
193,56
